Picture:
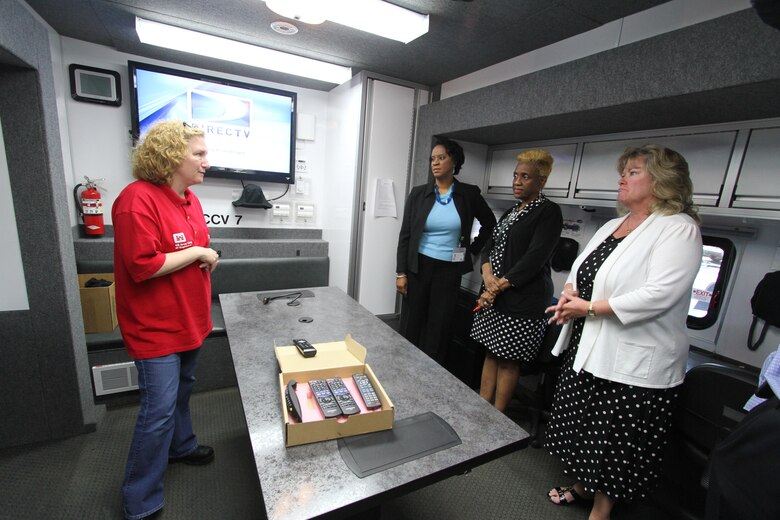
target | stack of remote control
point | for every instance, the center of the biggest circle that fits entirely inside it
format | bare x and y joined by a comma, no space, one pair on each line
334,398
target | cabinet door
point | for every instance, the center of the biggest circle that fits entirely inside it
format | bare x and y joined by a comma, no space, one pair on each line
707,154
502,162
757,184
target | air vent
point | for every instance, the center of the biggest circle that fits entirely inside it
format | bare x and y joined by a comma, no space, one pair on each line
115,378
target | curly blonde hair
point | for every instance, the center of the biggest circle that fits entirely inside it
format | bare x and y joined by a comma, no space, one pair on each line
541,160
672,186
162,151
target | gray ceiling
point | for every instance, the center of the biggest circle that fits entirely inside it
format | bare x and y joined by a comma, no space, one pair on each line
464,35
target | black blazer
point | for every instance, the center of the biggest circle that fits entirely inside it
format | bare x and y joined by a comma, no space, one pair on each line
469,204
526,261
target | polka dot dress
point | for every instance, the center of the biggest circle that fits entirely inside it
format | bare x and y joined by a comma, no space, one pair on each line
610,436
509,337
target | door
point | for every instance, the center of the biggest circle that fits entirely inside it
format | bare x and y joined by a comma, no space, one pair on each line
390,113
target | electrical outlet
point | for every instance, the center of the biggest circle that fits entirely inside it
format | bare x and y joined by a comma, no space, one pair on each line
281,210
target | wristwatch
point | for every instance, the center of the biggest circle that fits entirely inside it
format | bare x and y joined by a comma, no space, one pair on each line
591,311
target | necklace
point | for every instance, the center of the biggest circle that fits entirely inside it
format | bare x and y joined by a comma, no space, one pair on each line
443,199
629,229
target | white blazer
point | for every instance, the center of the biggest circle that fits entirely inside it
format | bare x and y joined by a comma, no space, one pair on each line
647,280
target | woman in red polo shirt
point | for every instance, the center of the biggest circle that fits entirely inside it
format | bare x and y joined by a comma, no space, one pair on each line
162,267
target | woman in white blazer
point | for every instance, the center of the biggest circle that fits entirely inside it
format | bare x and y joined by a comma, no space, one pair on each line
624,310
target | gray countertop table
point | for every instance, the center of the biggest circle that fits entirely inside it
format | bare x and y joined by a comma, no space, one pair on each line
311,480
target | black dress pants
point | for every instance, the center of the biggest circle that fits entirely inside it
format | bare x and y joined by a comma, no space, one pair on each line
429,306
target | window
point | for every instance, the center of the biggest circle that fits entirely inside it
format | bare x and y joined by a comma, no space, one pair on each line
717,260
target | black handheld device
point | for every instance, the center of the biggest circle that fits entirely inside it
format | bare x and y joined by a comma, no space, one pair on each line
343,397
325,400
291,400
305,348
367,391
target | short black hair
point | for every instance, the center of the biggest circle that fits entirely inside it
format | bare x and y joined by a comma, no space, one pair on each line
454,150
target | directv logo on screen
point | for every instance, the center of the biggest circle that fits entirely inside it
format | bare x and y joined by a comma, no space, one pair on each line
208,108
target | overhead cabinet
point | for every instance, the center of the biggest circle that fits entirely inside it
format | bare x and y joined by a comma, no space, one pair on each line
707,154
758,184
734,167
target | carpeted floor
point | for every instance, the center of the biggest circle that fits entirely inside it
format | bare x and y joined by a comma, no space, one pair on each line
80,478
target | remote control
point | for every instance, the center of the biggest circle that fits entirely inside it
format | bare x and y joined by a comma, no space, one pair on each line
367,391
343,397
291,400
305,348
326,401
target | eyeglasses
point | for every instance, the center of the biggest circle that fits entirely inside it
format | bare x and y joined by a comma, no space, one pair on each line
185,125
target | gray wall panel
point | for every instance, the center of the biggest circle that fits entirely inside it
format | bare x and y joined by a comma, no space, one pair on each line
49,338
717,71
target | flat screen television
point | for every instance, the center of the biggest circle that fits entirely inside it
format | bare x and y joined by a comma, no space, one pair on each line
250,130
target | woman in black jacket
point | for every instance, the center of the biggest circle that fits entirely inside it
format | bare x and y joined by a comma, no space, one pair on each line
517,286
435,248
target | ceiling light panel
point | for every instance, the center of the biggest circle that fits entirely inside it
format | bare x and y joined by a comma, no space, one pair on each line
176,38
372,16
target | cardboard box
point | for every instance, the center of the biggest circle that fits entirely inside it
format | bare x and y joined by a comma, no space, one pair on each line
342,359
98,304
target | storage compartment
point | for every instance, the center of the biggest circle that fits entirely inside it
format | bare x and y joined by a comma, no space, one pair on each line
502,162
98,304
334,359
707,154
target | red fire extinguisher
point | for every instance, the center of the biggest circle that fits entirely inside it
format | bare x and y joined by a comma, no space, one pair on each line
90,207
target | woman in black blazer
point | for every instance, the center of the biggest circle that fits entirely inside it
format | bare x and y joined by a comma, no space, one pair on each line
435,248
517,287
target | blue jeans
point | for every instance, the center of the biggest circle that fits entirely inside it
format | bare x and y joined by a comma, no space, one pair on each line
163,429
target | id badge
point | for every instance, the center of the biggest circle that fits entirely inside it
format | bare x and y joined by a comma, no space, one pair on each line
459,254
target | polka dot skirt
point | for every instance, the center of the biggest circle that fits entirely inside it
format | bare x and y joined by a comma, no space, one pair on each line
515,339
610,436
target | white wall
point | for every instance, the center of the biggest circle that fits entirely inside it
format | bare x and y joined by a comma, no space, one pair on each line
98,142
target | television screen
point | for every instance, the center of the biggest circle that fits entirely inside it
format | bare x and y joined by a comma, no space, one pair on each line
250,130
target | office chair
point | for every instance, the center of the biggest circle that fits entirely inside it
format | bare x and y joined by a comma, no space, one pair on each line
710,406
538,401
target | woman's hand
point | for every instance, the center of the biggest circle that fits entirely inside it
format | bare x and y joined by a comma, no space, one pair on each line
486,300
575,307
561,313
208,259
401,285
492,283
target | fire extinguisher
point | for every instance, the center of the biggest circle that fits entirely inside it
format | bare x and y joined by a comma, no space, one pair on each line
90,206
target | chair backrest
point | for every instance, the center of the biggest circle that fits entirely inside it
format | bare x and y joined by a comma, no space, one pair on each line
710,406
550,338
711,402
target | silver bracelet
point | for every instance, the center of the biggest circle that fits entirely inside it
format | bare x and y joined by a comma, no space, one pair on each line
397,276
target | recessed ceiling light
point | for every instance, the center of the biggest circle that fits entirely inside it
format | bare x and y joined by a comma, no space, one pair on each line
285,28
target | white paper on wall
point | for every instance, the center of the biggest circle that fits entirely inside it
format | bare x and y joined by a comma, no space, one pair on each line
384,199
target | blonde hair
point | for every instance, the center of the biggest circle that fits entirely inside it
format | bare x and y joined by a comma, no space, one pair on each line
672,186
541,160
162,151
